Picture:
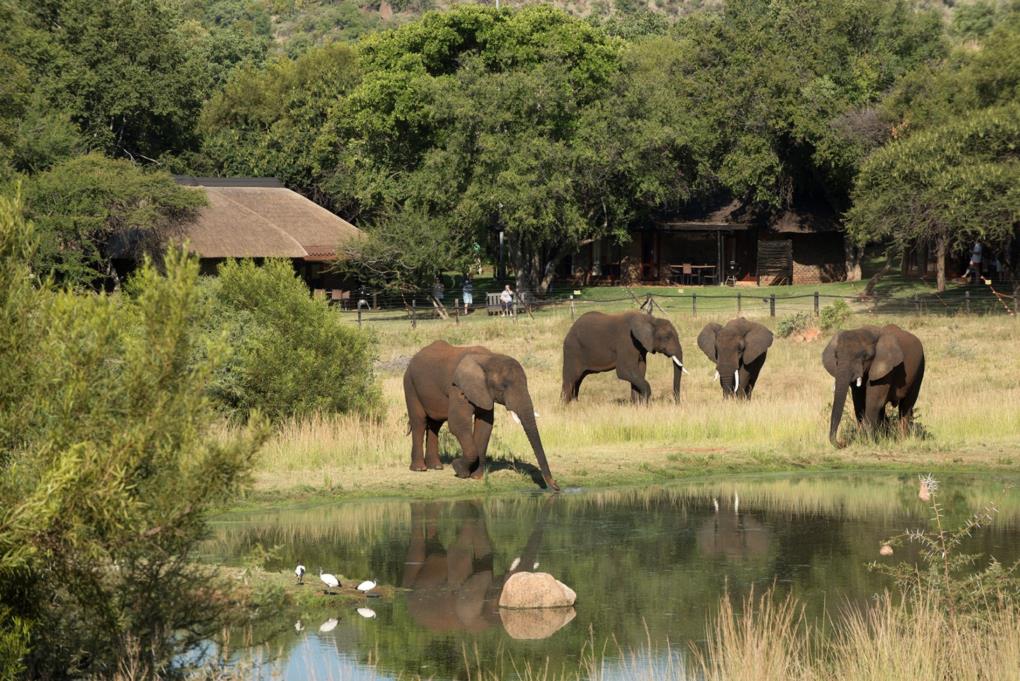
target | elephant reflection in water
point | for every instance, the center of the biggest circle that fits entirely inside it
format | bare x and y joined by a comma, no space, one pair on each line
455,588
732,535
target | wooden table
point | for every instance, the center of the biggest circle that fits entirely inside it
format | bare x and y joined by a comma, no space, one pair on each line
696,270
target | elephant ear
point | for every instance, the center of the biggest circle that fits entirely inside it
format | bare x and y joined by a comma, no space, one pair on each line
706,340
829,355
757,340
642,327
469,376
888,356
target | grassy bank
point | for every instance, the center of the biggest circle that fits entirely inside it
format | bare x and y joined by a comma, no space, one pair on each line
969,410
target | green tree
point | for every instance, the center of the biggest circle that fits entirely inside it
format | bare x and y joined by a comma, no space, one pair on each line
90,209
121,69
949,186
291,355
108,468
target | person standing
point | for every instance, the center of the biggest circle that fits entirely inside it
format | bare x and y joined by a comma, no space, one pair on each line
506,299
974,266
467,292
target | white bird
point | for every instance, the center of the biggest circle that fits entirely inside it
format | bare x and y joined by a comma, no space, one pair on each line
299,571
513,565
329,580
535,566
715,503
736,502
298,626
367,613
367,585
329,625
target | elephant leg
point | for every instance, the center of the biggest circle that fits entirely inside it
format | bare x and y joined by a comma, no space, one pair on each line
640,390
461,425
859,399
746,384
874,407
417,420
572,375
432,444
483,429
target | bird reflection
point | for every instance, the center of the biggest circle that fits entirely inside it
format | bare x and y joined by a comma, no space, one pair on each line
454,587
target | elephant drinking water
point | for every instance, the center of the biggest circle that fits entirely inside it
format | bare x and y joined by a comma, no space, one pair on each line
461,385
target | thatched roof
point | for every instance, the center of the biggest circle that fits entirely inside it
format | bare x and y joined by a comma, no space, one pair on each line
260,218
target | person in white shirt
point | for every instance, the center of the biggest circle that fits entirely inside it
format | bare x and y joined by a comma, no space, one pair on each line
506,299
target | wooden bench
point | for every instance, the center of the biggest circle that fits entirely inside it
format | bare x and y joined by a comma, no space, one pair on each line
493,306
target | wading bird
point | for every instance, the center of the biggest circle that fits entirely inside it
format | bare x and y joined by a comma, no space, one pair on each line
299,571
329,580
367,586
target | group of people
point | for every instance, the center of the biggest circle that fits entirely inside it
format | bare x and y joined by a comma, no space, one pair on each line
506,296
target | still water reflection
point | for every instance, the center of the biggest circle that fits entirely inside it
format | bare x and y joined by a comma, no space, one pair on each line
648,565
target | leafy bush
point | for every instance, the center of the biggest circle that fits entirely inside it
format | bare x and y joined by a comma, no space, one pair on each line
792,324
291,354
107,470
834,316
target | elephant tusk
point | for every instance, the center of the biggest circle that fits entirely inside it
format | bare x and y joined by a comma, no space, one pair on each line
858,381
679,364
716,377
736,379
515,416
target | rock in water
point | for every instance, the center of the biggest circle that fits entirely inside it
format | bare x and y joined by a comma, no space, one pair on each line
535,624
535,590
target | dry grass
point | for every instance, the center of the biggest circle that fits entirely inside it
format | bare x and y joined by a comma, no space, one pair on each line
969,408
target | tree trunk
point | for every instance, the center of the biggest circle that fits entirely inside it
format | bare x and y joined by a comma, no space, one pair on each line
940,264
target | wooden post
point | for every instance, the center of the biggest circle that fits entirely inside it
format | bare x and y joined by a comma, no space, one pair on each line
414,314
694,304
571,307
966,300
456,312
917,305
375,300
359,314
772,305
816,303
738,302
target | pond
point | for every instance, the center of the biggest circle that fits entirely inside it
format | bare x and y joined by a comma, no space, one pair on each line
649,566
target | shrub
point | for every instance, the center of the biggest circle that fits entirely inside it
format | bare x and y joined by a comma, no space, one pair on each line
792,324
835,316
107,469
291,355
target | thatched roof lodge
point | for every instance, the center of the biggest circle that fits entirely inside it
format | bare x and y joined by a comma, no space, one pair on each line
257,217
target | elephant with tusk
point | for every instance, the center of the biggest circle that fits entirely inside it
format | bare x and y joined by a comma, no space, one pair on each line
600,342
738,350
461,385
878,366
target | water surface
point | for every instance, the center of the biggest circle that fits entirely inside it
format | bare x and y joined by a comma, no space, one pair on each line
649,566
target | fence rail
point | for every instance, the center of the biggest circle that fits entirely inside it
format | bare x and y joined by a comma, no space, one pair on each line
375,306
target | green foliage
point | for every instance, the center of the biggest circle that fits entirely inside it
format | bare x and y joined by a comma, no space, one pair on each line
947,185
291,355
405,253
107,469
90,209
834,316
945,574
122,70
792,324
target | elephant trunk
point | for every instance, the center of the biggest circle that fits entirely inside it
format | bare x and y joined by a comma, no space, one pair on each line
728,379
525,411
838,402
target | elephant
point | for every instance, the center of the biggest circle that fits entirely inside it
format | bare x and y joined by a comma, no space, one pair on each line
461,385
455,587
600,342
738,350
880,366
